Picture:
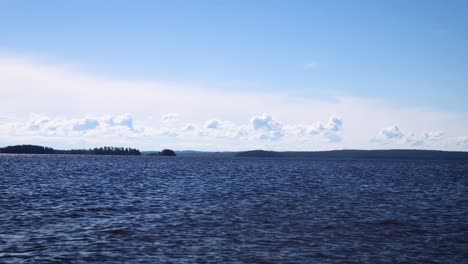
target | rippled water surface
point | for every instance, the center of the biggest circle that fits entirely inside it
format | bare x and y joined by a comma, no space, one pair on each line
207,210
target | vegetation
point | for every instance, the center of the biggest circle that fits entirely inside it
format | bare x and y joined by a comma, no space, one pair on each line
27,149
164,152
408,154
167,152
103,151
32,149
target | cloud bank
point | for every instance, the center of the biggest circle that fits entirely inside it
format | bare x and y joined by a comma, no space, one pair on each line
395,137
64,107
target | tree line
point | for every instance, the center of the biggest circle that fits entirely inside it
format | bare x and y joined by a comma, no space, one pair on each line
33,149
27,149
164,152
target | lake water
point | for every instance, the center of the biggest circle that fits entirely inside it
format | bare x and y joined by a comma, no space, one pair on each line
144,209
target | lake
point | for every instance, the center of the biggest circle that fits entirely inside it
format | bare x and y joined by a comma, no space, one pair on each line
141,209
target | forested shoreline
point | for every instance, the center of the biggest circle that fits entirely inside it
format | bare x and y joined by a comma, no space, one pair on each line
34,149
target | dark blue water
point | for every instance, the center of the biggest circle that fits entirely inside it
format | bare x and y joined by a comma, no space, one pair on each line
207,210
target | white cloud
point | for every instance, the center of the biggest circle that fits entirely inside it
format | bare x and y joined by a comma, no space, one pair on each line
429,138
433,135
102,126
460,142
189,127
335,124
213,124
266,128
414,140
390,133
265,122
98,104
121,120
86,124
170,117
331,131
393,135
37,122
314,129
261,127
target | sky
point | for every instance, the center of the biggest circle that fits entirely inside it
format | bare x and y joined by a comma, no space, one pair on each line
235,75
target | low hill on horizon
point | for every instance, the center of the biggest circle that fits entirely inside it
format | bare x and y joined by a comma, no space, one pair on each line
361,154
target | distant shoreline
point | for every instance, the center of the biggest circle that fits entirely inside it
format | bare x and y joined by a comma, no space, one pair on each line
108,150
34,149
407,154
353,154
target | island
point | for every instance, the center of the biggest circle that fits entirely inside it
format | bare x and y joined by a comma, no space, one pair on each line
164,152
168,152
34,149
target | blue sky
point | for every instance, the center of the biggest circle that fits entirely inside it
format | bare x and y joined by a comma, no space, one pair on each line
407,54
